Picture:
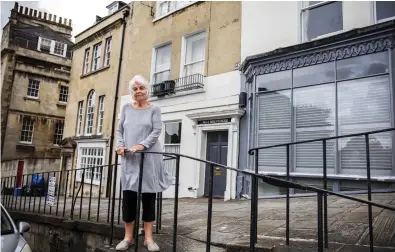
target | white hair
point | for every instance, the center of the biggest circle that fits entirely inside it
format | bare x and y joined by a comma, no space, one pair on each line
141,80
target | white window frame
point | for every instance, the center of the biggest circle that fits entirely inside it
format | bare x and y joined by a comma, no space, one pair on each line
79,117
100,115
85,68
173,6
374,7
185,38
90,104
164,138
304,7
52,47
59,130
96,57
23,125
82,145
38,89
107,53
63,94
153,61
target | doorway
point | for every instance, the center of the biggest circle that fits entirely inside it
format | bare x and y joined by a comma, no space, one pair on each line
19,173
217,151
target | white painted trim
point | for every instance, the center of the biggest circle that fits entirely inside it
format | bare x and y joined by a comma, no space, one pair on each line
184,49
99,143
153,58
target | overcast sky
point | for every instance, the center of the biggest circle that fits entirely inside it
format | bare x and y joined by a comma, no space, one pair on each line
82,12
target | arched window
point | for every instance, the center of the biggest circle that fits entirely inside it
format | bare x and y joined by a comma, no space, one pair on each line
90,112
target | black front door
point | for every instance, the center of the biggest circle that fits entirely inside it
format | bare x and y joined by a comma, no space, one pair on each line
217,151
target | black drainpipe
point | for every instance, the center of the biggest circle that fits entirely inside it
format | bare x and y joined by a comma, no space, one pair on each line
114,115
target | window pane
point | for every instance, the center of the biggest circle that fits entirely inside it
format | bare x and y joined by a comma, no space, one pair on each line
163,58
385,9
274,128
196,68
370,64
196,48
323,19
315,118
274,81
364,105
173,133
322,73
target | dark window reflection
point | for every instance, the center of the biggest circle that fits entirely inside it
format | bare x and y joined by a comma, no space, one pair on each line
173,133
322,73
323,19
385,10
363,66
274,81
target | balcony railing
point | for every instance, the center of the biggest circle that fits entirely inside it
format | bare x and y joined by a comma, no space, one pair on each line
169,87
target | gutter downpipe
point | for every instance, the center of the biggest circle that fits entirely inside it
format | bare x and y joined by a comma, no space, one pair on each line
125,13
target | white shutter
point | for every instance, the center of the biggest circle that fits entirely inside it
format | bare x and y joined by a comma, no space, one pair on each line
365,105
274,128
314,118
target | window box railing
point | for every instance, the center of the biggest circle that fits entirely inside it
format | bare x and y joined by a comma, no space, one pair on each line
169,87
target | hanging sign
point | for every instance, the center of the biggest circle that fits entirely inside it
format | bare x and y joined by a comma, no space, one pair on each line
214,121
51,191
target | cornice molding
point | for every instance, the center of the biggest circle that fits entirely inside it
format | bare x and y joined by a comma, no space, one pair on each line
324,56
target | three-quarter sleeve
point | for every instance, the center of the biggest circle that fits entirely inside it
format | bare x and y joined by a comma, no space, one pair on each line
156,129
120,141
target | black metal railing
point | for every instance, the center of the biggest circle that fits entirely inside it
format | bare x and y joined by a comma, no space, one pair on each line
321,193
187,83
68,179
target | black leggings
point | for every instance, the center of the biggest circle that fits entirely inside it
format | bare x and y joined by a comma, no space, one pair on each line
129,206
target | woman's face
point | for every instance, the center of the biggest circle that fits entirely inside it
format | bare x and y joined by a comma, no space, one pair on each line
139,92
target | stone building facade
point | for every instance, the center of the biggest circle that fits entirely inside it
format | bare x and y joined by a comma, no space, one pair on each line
89,113
36,62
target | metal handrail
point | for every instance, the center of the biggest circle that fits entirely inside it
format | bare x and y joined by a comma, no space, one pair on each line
321,193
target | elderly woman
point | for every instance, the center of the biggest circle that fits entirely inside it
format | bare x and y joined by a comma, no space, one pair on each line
138,130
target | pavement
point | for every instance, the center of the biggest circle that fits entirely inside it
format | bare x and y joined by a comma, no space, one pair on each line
347,222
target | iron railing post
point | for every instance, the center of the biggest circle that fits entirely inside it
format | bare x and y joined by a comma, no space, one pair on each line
256,195
319,223
114,168
58,192
137,221
371,241
65,192
210,208
175,223
90,193
82,190
99,197
287,201
72,198
325,171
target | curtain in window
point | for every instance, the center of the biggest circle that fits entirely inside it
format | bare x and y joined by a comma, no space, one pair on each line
162,64
274,128
364,105
195,54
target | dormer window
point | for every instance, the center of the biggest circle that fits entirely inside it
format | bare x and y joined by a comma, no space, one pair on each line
113,8
52,46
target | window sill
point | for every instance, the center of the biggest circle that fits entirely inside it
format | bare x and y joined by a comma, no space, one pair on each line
324,36
173,11
61,104
30,98
94,72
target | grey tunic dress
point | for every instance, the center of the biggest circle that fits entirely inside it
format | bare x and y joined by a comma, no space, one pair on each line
142,126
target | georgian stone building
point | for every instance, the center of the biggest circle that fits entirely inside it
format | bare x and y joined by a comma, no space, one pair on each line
35,65
90,112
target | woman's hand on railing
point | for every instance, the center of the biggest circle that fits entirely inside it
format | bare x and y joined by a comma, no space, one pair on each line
121,150
138,147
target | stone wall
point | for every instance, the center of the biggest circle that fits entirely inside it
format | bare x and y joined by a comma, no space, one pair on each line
50,234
